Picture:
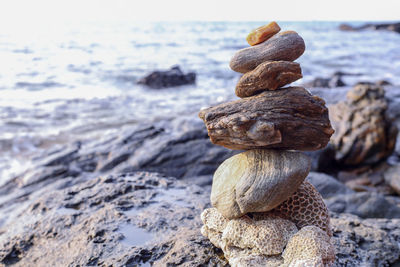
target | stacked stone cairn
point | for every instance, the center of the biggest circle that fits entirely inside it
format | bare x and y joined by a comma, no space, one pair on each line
264,212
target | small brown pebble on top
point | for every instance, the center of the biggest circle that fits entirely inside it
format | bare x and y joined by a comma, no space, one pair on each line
263,33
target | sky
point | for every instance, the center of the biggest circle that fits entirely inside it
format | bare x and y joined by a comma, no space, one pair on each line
28,12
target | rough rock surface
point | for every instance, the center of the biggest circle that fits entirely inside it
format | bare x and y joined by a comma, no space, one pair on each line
269,75
309,243
168,78
305,208
84,222
287,118
364,204
262,33
364,133
246,236
287,46
257,181
326,185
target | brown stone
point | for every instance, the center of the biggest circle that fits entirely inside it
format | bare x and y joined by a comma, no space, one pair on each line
287,46
287,118
263,33
269,75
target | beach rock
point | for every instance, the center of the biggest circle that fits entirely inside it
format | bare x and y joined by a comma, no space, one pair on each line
269,75
305,207
248,237
392,177
382,26
364,205
257,180
370,242
327,185
168,78
332,82
287,118
364,133
262,33
286,46
309,245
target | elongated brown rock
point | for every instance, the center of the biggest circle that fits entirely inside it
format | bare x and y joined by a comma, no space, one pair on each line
269,75
263,33
257,180
287,118
287,46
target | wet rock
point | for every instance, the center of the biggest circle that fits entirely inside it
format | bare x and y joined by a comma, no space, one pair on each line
257,181
364,133
169,78
286,46
327,185
269,75
262,33
395,27
287,118
364,205
332,82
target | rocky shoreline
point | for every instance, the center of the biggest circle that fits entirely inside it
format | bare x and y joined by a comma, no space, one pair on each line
81,204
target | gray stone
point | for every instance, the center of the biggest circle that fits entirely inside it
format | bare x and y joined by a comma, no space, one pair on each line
327,185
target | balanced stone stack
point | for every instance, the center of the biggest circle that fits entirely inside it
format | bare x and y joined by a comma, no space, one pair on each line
264,212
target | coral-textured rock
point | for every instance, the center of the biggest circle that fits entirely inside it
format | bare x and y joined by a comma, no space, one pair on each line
257,181
287,46
305,207
287,118
256,261
364,133
263,33
307,246
247,238
269,75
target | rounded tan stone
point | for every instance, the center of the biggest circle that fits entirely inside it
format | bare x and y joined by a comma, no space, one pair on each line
287,46
257,181
269,75
263,33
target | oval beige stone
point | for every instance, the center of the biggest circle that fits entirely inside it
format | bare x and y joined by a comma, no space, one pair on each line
287,46
263,33
257,181
269,75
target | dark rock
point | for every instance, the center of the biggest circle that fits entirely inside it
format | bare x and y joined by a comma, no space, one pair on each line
327,185
364,204
392,177
287,118
395,27
169,78
364,134
332,82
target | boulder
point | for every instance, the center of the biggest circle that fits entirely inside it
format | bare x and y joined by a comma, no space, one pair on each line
286,46
168,78
257,181
287,118
364,134
269,75
392,177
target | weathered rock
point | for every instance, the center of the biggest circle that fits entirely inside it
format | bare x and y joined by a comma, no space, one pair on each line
263,33
364,133
247,237
287,118
287,46
269,75
392,177
305,207
310,243
326,185
257,181
364,205
168,78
